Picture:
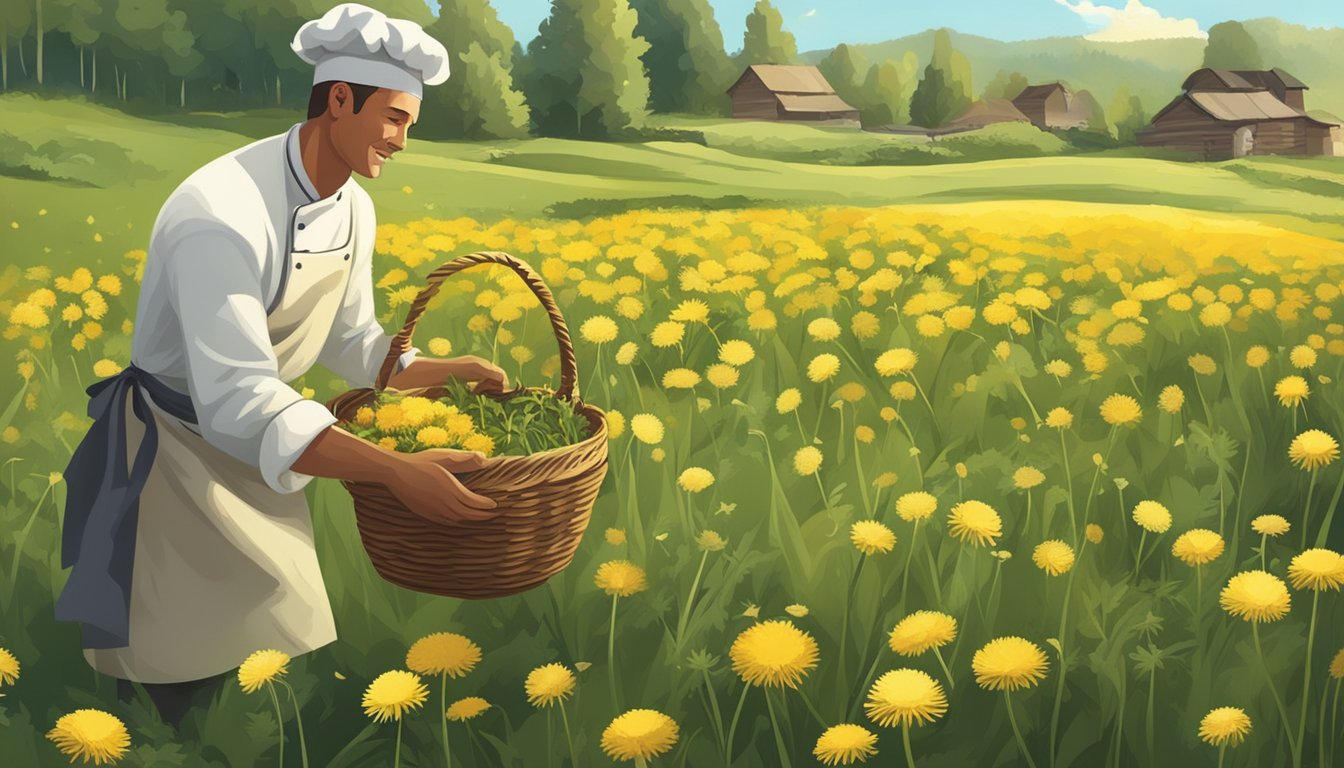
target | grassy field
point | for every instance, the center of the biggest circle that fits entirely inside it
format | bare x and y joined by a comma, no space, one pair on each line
1053,399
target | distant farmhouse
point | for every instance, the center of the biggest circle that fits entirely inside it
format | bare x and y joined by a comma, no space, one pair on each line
1224,114
1054,107
987,112
788,92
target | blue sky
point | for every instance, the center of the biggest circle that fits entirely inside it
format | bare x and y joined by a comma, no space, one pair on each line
824,23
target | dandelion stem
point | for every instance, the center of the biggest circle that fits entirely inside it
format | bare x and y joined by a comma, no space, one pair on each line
802,433
279,721
1138,557
774,724
933,571
611,655
732,727
1306,674
574,761
686,612
905,740
396,760
909,557
714,702
1021,743
844,624
443,717
813,709
1306,509
867,678
933,416
1222,750
1068,480
298,716
951,684
1283,714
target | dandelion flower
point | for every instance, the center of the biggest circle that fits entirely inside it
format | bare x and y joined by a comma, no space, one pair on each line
1302,356
1171,399
822,367
722,375
262,667
549,683
9,667
807,460
975,521
1256,596
393,693
1313,449
710,541
680,378
667,334
1059,418
796,610
905,696
695,479
1009,663
1120,410
443,653
916,505
621,578
690,311
1203,365
599,329
91,734
773,653
647,428
1053,556
844,744
1094,533
466,709
639,735
1027,477
895,362
922,631
1152,516
1337,665
105,368
1317,569
788,400
615,535
1198,546
871,537
1270,525
1224,726
1291,391
823,329
736,352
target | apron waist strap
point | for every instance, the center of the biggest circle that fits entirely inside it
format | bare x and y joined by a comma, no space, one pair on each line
102,504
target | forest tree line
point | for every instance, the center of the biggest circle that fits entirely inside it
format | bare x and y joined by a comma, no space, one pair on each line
595,69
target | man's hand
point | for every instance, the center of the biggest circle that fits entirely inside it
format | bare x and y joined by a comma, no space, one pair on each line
431,372
425,483
489,377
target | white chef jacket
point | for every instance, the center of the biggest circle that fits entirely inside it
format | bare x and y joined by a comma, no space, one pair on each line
216,266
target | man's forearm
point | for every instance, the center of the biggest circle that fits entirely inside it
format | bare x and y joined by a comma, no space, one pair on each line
338,454
433,371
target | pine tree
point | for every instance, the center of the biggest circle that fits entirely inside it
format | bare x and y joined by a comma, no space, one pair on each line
845,69
689,71
766,41
459,108
944,91
1230,46
1126,115
885,96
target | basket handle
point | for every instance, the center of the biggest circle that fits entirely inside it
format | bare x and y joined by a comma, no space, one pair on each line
569,377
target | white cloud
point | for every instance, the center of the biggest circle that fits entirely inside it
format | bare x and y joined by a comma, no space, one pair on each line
1135,21
810,14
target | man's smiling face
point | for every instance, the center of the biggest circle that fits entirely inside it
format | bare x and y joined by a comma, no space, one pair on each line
367,138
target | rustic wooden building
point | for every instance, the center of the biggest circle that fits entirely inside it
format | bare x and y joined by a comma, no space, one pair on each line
1225,114
788,92
1054,107
988,112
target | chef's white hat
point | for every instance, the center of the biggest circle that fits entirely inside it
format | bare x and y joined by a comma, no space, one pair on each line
354,43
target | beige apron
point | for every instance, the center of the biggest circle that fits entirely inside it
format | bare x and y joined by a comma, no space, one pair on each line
225,565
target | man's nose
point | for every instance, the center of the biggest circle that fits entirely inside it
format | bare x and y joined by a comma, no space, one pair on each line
398,140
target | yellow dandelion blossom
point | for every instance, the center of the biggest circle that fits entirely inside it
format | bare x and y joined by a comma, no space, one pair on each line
393,693
1302,356
922,631
1337,665
9,667
615,536
822,367
690,311
916,505
871,537
807,460
548,684
895,362
1270,525
443,653
432,437
975,521
788,400
1120,410
1028,477
823,329
1059,418
1203,365
621,578
773,653
1171,399
721,375
262,667
695,479
737,353
680,378
615,424
1256,596
667,334
440,347
1291,391
647,428
1224,726
1198,546
1054,557
1317,569
91,734
638,735
710,541
905,697
465,709
1257,356
844,744
1152,516
598,329
1313,449
1009,663
796,610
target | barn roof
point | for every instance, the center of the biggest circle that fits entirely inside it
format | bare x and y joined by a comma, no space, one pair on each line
1268,78
1237,107
813,102
1230,80
1040,91
991,111
788,78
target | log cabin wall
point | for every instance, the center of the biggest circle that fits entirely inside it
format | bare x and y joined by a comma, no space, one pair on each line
753,101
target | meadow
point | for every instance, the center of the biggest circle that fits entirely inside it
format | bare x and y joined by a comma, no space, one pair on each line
1040,481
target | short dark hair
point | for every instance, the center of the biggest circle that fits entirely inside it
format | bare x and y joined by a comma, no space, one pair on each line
317,99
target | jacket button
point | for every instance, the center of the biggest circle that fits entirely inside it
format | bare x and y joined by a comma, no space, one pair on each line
301,225
298,266
347,257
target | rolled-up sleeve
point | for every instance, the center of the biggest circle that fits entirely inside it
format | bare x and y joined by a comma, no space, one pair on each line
357,344
242,406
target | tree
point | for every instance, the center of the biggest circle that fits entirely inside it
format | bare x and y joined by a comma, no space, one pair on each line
15,18
479,99
1230,46
585,74
1006,86
766,41
845,69
942,93
689,71
885,97
1126,115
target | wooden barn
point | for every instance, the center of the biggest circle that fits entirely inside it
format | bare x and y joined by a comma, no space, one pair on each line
788,92
1224,114
1054,107
988,112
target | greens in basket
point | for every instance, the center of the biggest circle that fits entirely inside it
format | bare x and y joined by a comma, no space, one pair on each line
529,422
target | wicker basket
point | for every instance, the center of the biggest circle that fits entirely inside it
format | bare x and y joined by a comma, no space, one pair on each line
544,499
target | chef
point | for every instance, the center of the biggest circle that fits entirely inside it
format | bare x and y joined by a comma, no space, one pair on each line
189,535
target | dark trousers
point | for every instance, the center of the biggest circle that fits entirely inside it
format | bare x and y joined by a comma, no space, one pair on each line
174,700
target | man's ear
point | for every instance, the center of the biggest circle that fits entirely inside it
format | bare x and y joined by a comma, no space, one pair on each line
338,99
